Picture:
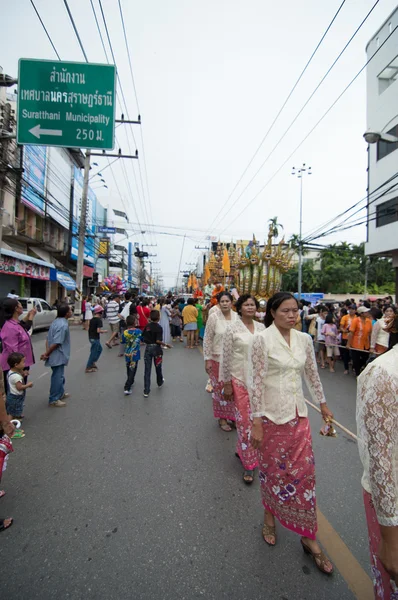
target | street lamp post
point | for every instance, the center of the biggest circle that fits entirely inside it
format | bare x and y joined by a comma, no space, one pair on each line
300,174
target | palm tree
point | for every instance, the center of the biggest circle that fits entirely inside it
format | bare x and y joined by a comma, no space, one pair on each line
274,227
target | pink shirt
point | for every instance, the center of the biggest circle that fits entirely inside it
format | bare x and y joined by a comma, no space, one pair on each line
15,339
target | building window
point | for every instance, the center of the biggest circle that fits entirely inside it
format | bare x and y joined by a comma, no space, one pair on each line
388,75
385,148
387,212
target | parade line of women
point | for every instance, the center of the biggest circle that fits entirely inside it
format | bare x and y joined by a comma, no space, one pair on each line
256,372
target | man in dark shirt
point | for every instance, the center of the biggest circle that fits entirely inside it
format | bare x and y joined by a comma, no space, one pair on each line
94,331
152,336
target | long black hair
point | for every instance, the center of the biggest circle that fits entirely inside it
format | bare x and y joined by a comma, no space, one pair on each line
393,340
274,303
7,309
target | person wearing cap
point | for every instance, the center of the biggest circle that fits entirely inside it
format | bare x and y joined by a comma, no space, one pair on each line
359,338
94,332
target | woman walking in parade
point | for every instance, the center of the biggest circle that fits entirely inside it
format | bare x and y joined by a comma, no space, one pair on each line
216,326
190,317
380,335
234,372
165,315
281,357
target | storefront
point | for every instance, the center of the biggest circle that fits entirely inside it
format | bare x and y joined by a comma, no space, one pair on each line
28,276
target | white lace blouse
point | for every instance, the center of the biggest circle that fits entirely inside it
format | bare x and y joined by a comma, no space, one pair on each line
377,425
235,351
215,328
276,372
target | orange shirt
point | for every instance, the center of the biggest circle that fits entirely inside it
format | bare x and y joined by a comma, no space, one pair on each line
345,323
362,330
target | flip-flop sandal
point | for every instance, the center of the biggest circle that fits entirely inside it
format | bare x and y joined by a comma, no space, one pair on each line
4,527
17,434
225,427
108,345
2,493
248,473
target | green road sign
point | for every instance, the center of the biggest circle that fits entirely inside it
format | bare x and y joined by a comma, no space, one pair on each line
67,104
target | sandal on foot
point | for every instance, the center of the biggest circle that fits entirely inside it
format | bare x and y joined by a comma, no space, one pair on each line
248,477
91,370
225,427
269,531
320,558
3,527
107,344
2,493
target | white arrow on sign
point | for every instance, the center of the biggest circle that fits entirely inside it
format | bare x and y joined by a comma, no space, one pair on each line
37,131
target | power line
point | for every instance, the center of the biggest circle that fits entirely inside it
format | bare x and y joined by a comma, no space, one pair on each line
305,104
312,129
45,29
280,111
75,30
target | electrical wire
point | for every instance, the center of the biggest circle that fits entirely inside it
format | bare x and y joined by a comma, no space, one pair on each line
280,110
305,104
138,108
45,29
75,30
312,129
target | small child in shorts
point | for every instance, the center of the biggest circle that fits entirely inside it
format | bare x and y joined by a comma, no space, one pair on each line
16,385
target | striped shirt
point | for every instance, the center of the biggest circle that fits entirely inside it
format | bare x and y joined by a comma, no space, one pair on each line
112,312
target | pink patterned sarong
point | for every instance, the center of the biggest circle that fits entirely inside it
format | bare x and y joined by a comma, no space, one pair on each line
247,454
222,409
384,587
287,475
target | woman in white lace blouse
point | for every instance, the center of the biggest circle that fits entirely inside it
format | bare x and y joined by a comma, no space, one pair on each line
281,357
234,372
216,326
377,425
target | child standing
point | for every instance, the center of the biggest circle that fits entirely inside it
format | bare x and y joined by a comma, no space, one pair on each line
94,331
16,386
153,338
131,339
329,330
320,338
176,323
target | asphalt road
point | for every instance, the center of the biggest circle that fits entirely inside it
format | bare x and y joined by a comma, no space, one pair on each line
120,497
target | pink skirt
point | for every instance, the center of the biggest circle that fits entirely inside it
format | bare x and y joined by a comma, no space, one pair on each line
287,475
247,454
222,409
384,587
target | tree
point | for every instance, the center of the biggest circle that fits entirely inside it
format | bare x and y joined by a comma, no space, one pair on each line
274,227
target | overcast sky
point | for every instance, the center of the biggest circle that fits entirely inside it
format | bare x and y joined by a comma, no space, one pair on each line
210,78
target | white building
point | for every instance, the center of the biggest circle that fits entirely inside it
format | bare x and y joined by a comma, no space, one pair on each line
382,116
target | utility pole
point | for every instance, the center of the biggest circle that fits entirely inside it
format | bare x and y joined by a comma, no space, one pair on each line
82,237
4,158
300,174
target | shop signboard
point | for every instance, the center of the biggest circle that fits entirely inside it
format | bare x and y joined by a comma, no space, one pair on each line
34,178
15,266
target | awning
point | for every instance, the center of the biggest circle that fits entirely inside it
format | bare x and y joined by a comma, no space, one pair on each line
26,258
66,280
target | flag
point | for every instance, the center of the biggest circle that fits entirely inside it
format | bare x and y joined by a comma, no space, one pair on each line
189,284
194,282
206,274
226,265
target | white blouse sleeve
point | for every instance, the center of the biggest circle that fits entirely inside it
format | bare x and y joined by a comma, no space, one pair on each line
227,355
311,374
258,368
378,399
209,337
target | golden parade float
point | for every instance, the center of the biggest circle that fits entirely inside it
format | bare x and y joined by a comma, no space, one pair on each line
250,267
